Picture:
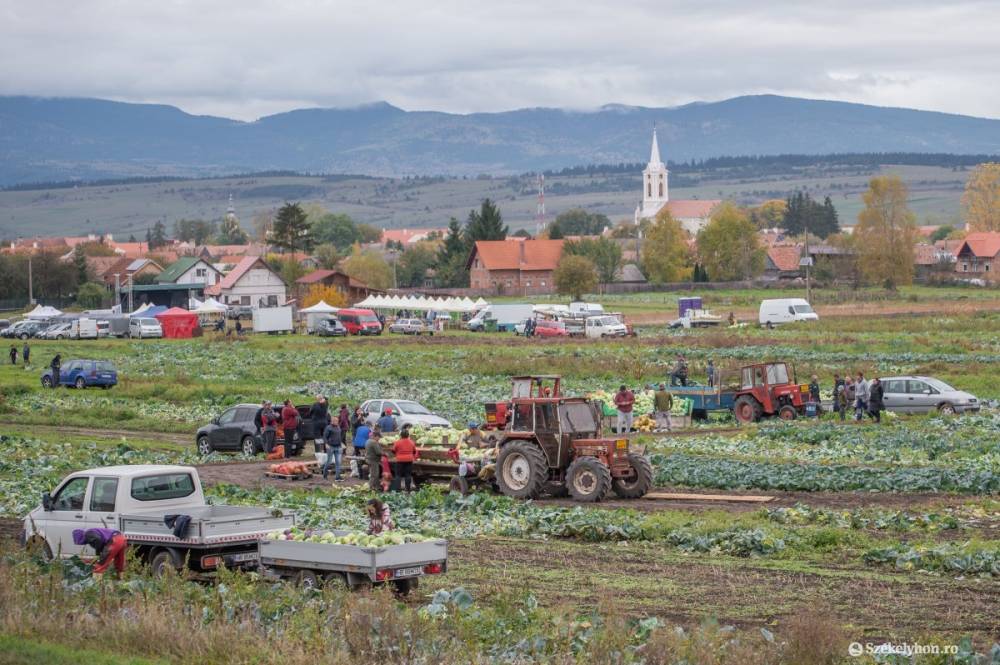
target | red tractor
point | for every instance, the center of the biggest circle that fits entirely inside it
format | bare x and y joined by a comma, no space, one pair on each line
768,390
521,386
553,443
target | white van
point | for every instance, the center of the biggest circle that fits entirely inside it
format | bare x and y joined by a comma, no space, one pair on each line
83,329
604,326
786,310
586,308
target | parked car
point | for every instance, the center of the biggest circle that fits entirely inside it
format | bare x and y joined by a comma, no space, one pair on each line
141,326
25,329
360,321
4,324
923,394
83,374
234,429
411,327
407,412
545,328
330,327
55,331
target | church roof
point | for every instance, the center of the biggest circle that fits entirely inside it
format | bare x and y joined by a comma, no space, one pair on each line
654,153
692,208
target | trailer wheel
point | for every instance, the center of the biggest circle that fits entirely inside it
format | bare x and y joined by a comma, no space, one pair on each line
335,580
405,586
521,470
746,409
307,579
638,486
459,484
787,412
165,560
588,479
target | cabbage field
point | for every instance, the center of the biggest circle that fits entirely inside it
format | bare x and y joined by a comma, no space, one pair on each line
876,532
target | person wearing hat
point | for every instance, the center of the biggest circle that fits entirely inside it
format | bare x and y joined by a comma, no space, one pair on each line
108,544
474,437
387,423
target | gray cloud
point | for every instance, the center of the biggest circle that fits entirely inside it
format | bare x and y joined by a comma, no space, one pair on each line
247,59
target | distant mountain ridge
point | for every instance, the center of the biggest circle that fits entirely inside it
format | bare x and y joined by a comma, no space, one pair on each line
51,139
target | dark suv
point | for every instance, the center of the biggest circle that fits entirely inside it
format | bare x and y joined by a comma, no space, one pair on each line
234,429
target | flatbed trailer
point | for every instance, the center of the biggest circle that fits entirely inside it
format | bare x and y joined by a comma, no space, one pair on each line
705,399
352,566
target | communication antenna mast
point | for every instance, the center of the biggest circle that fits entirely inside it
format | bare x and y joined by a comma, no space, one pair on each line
540,210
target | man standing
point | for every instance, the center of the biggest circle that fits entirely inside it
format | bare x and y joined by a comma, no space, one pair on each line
13,354
55,366
663,404
838,387
268,425
289,424
319,416
344,421
387,423
26,353
710,371
624,399
331,438
875,403
860,397
846,397
373,458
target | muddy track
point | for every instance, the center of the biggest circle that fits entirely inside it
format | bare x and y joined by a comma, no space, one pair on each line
146,435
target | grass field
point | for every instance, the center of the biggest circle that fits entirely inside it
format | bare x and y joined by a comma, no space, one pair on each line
875,533
132,209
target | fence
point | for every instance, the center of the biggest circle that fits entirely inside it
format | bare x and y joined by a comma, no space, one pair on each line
22,304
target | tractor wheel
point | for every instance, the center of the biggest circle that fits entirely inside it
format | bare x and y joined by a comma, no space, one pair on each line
634,488
588,479
746,410
787,412
521,469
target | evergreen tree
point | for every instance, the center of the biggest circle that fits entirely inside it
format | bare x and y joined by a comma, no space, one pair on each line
291,228
80,264
829,222
485,223
555,231
158,237
452,256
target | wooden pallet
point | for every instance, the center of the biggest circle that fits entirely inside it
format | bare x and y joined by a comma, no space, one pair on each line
288,476
680,496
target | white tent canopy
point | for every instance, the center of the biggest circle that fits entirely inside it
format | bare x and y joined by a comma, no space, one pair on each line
43,312
210,306
421,303
320,308
141,309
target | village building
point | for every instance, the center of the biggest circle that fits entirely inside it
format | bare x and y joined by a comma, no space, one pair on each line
352,289
693,214
190,270
252,283
979,255
138,270
515,266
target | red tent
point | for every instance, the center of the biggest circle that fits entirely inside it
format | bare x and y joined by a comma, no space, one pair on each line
177,322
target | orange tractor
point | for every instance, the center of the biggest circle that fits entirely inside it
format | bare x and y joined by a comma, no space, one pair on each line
768,390
548,442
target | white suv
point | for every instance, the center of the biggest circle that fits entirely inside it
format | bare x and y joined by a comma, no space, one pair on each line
144,327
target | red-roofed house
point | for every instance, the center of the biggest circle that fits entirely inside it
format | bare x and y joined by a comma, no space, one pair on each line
514,266
251,283
408,236
783,261
352,289
979,254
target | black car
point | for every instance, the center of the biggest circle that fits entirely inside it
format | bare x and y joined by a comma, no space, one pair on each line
330,328
234,429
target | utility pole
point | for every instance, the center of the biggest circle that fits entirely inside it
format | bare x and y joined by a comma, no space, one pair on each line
31,293
807,262
118,290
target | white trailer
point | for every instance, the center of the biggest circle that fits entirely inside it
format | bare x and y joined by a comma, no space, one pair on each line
83,329
272,319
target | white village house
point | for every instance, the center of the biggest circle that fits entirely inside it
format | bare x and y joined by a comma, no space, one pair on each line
190,270
693,214
251,283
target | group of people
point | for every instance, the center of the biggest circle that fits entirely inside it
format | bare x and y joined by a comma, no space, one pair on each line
25,354
857,393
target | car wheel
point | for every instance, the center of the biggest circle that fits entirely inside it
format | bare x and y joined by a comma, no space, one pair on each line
46,382
248,446
80,383
946,409
23,335
204,445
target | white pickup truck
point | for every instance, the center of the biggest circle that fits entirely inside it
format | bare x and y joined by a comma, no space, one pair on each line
135,500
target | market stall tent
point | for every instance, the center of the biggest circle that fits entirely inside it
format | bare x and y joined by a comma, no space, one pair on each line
178,323
43,312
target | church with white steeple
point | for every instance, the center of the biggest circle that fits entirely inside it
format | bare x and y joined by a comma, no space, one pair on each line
693,214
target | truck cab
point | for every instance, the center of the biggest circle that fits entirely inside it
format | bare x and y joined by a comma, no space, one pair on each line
604,326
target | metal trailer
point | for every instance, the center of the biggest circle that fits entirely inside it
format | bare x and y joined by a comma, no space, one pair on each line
312,564
705,399
216,535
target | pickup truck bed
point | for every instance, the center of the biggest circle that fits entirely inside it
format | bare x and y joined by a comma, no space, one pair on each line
210,526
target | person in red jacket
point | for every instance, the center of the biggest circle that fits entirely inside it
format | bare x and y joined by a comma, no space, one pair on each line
624,399
289,423
405,451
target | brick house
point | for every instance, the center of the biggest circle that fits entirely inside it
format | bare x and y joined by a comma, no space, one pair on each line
352,289
514,266
979,255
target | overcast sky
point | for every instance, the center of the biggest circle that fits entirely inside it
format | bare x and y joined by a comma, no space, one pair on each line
247,59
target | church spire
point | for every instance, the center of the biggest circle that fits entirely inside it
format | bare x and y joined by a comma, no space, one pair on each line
654,153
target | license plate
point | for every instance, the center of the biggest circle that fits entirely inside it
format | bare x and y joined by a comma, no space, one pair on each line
622,444
240,558
408,572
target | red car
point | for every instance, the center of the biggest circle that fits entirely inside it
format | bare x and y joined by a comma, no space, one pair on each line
551,329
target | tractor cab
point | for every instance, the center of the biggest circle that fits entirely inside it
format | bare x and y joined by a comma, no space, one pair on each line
769,389
522,387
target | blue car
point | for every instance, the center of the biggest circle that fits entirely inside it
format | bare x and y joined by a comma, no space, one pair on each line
83,373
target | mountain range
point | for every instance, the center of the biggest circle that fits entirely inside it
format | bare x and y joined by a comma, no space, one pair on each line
53,139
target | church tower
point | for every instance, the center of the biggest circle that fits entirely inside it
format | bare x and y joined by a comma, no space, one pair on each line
654,182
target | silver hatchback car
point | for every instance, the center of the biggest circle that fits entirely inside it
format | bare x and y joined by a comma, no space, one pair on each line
923,394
